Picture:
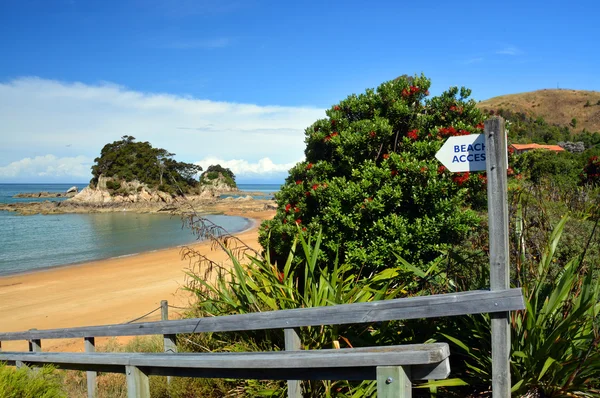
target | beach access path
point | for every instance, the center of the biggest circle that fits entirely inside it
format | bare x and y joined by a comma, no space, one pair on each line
102,292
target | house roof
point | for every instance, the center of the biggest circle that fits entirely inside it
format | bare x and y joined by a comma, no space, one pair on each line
528,147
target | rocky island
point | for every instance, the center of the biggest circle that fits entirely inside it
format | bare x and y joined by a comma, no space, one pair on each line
134,176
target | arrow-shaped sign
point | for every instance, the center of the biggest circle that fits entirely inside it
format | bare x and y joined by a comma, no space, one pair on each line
463,153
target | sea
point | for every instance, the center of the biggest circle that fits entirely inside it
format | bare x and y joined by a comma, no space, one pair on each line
36,242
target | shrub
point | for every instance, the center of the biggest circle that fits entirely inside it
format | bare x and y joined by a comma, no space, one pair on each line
24,383
554,340
371,180
591,171
113,185
261,286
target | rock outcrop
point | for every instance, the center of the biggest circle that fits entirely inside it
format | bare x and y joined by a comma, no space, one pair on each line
125,192
45,195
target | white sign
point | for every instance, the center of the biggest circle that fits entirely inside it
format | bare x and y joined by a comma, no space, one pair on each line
463,153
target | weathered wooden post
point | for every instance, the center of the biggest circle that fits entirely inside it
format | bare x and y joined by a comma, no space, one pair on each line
393,382
169,340
496,166
138,385
478,152
92,386
292,343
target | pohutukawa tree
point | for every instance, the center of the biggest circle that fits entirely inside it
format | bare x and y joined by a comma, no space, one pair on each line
371,180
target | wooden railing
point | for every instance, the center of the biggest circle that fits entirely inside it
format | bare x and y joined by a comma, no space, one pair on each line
392,366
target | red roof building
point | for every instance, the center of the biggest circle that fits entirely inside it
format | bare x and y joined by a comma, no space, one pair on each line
520,148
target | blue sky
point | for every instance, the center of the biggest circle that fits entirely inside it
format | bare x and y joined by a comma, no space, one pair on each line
237,81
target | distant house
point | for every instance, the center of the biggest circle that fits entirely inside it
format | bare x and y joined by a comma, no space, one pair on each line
520,148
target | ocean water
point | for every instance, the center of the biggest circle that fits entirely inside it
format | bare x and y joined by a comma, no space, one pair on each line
258,191
35,242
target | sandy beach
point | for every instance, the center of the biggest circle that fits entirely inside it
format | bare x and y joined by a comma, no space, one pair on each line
108,291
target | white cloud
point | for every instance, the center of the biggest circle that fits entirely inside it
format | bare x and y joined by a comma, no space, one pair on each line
71,120
243,169
49,166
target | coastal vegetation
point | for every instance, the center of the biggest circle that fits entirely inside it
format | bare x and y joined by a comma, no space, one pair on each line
360,220
218,173
372,184
22,383
557,107
370,215
128,160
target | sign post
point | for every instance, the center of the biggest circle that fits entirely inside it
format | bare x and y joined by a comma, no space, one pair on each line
477,152
495,139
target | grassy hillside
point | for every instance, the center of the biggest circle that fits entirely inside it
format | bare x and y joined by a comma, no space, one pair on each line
555,106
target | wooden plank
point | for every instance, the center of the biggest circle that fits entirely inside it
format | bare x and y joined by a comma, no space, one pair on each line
410,354
138,385
92,386
495,142
393,382
292,343
452,304
345,364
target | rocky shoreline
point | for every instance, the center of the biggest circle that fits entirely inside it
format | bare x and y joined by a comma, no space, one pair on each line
133,197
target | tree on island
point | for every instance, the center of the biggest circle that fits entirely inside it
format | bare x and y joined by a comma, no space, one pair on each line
371,182
129,160
213,172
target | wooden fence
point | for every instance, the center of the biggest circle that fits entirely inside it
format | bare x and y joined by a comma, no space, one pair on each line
392,366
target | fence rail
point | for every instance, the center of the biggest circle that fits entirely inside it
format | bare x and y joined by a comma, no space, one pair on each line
392,366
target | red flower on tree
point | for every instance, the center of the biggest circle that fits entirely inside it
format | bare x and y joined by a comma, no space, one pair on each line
386,155
413,134
315,186
288,207
309,166
394,173
461,178
372,134
334,134
480,126
336,108
298,182
441,169
298,221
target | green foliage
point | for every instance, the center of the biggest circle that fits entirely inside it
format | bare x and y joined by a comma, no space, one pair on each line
129,160
24,383
214,171
114,185
261,286
563,167
371,180
591,172
554,340
574,123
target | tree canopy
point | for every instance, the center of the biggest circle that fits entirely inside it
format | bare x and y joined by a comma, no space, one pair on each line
371,182
129,160
213,172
